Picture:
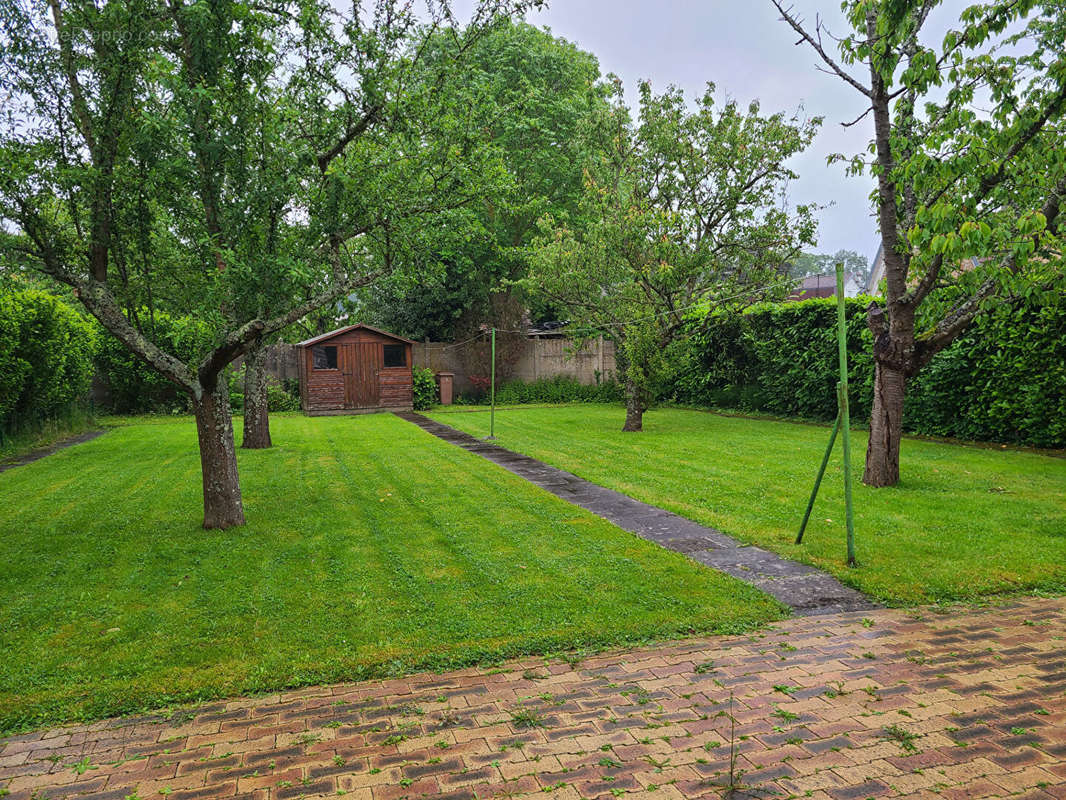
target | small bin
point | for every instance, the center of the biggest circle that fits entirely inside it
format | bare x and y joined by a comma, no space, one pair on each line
445,381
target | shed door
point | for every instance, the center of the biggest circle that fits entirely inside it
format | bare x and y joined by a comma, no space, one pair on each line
362,362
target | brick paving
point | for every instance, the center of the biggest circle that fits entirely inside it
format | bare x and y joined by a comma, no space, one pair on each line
803,588
883,703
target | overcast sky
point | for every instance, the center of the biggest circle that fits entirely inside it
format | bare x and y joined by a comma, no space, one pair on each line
743,47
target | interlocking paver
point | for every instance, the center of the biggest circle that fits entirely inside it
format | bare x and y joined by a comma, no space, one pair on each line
967,704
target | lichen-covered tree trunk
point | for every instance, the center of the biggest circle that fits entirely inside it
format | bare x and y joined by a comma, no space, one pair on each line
256,413
886,427
218,460
635,407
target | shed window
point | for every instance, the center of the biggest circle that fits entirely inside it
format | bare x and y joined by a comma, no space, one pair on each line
395,355
324,357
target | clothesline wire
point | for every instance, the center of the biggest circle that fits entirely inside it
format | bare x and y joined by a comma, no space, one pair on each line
477,335
622,324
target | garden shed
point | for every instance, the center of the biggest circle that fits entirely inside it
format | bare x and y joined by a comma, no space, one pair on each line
355,370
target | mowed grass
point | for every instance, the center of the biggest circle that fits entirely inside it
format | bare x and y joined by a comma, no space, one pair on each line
965,522
371,548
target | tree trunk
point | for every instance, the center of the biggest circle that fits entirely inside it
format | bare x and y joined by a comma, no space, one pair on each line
886,427
256,414
218,460
634,408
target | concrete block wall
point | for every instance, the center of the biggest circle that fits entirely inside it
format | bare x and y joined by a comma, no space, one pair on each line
282,361
546,358
541,358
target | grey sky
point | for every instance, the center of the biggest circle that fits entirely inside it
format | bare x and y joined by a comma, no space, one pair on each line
743,47
748,54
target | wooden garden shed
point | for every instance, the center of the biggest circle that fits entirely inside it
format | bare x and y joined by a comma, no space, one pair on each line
355,370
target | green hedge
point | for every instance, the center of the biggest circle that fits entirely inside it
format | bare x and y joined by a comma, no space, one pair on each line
777,358
49,352
281,395
46,364
136,388
1003,380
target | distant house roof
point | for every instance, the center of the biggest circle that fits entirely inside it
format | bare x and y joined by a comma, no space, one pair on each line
555,329
877,271
825,286
323,336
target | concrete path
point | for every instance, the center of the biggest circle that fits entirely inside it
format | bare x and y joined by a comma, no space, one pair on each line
37,455
876,704
806,590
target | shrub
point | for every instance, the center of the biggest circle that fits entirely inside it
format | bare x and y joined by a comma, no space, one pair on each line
134,387
46,351
281,395
425,388
558,389
1002,380
282,398
481,391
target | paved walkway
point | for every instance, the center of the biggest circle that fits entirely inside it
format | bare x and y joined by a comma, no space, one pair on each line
877,704
803,588
37,455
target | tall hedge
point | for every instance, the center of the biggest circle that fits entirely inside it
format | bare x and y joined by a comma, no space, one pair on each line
134,387
46,357
1003,380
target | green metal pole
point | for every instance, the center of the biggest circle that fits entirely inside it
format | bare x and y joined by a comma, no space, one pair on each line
492,391
845,419
818,480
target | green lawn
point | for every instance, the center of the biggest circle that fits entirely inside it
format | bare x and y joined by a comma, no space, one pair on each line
965,522
371,548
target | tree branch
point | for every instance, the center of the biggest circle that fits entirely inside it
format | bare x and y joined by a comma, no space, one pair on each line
963,313
928,281
857,119
991,181
77,96
797,26
238,342
988,183
370,116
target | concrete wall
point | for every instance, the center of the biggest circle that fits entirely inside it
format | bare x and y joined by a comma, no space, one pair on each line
541,358
546,358
282,361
